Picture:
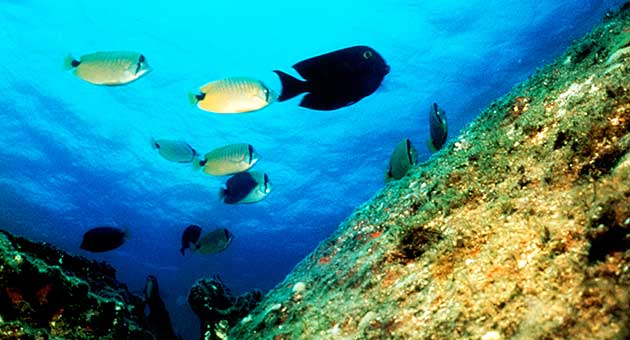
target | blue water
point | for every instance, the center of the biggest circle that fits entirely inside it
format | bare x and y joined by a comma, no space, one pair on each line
75,155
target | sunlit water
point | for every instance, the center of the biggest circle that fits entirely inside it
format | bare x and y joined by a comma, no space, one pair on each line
75,155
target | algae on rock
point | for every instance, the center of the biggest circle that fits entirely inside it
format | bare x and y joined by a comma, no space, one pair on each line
519,228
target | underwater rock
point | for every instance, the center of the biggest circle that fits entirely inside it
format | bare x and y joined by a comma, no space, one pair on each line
46,293
217,309
519,228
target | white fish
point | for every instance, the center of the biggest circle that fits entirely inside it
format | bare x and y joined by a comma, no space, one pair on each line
175,151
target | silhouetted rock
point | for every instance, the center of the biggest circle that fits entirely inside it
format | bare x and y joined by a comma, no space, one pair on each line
217,309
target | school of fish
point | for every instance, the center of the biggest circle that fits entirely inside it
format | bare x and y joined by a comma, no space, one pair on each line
331,81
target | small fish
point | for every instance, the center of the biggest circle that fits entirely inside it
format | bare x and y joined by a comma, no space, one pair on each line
229,159
214,242
151,289
102,239
158,320
233,95
336,79
245,187
109,68
439,128
190,236
174,150
403,158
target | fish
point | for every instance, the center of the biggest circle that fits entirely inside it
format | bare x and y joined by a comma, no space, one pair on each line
175,151
229,159
335,79
403,158
102,239
190,236
214,242
438,126
109,68
233,95
158,319
245,187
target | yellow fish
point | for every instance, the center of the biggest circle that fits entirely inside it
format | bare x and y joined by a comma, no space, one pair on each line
234,95
229,159
109,68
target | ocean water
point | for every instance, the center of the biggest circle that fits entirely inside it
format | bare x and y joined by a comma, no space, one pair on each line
75,155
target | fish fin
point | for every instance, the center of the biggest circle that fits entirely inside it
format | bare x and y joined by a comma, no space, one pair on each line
222,193
431,147
388,175
69,62
194,98
154,144
128,234
291,86
197,163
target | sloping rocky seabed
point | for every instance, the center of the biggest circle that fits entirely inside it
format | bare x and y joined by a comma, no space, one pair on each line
518,229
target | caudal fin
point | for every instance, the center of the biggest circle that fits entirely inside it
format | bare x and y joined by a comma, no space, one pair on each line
194,98
69,62
222,193
291,86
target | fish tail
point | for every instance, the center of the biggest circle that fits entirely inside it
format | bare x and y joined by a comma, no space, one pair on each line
69,62
291,86
222,193
194,98
432,147
154,144
197,163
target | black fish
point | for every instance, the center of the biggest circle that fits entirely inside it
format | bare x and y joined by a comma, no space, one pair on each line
101,239
335,79
190,235
158,320
438,126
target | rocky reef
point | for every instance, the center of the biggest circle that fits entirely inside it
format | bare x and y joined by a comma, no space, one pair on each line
46,293
218,310
518,229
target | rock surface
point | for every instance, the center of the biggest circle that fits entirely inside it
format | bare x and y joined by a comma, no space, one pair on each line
46,293
518,229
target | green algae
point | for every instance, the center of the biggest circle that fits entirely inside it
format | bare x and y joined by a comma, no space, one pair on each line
519,228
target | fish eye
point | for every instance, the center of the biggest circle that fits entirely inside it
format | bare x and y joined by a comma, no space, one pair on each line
367,54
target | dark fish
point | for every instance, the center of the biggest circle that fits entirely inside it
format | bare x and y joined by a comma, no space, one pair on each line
101,239
335,79
215,241
403,158
190,235
158,320
246,187
439,128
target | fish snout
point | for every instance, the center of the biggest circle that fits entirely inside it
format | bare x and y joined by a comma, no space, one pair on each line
386,69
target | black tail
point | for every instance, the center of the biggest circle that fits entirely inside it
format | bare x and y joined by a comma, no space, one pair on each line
291,86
